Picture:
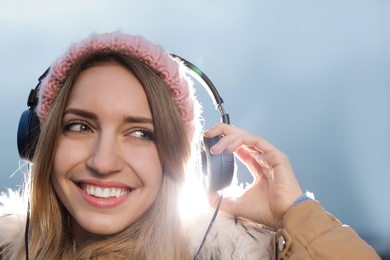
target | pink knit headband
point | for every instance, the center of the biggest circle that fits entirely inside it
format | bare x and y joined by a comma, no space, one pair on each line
171,71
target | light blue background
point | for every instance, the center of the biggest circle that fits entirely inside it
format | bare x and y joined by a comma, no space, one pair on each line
312,77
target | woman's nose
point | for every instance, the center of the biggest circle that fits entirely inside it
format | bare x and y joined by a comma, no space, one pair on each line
106,156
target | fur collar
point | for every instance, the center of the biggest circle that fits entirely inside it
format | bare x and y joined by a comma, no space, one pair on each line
229,237
12,216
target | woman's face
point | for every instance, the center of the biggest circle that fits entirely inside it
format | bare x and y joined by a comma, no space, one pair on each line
107,171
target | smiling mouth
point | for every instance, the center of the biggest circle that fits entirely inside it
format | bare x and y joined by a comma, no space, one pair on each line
104,192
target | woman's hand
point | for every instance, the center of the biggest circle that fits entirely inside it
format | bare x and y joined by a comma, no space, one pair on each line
274,188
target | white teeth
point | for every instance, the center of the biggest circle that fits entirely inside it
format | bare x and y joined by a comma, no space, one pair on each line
117,193
104,192
98,192
90,190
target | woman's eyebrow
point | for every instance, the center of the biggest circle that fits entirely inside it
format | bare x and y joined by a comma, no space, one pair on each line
136,119
80,112
90,115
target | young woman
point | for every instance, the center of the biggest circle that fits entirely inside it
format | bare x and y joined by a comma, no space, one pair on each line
118,124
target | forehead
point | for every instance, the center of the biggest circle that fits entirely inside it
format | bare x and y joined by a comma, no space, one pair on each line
109,88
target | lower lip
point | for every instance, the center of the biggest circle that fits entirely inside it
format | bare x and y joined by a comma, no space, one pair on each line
102,202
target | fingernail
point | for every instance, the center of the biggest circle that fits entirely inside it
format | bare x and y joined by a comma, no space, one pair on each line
212,150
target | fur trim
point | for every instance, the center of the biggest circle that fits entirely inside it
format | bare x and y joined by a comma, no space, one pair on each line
13,210
229,237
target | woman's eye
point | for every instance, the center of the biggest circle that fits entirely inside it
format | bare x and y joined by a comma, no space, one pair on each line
77,127
143,134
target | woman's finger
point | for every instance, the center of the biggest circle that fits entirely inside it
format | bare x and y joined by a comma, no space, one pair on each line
223,129
233,142
250,159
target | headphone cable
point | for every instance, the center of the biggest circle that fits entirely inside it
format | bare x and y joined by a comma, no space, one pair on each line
27,228
209,227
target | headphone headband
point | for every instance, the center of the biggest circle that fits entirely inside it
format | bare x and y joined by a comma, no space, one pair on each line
208,85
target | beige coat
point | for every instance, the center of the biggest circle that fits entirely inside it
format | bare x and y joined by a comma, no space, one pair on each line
309,232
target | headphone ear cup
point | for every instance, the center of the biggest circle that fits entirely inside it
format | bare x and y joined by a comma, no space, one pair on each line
217,169
28,133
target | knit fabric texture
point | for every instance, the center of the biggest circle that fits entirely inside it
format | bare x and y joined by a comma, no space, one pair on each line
170,70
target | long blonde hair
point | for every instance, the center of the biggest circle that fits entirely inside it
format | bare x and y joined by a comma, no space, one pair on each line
158,233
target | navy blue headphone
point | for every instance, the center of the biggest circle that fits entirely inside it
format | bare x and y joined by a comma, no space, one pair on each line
29,125
217,170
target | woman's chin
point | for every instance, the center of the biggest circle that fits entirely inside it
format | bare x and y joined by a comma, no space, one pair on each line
103,228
